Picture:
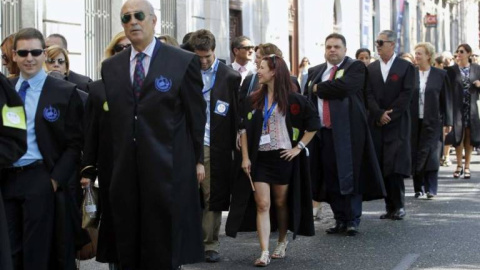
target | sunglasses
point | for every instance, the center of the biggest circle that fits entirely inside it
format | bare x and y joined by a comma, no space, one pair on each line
119,47
24,53
4,57
381,42
59,61
140,16
460,51
273,57
248,48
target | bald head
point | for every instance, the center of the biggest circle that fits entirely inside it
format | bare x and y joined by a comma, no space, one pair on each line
138,21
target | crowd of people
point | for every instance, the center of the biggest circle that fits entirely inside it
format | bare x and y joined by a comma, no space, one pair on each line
156,126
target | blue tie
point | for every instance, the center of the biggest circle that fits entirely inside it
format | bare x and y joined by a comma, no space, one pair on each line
23,90
138,74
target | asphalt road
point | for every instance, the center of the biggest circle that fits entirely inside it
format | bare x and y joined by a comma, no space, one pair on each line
443,233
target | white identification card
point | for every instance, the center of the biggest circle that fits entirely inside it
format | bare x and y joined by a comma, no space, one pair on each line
265,139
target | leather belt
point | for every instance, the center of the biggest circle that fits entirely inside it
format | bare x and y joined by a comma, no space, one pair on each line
23,168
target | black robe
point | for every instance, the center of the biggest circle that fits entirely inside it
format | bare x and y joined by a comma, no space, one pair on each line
98,153
392,141
301,116
356,159
456,89
157,142
427,141
223,131
13,144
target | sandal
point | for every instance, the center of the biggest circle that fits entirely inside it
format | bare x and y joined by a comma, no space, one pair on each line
458,172
264,259
467,173
279,252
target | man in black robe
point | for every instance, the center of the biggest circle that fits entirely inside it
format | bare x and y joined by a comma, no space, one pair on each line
154,96
344,156
389,93
13,144
220,91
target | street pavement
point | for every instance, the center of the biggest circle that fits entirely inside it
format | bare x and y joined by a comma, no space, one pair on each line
442,233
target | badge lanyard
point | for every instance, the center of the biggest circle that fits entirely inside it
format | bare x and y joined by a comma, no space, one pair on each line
267,113
213,77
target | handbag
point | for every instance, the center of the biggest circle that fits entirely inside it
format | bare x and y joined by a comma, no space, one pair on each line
89,251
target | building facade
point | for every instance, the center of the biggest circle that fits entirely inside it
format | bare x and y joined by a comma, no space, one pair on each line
297,27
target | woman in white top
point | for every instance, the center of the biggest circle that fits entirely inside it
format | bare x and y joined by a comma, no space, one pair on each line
430,111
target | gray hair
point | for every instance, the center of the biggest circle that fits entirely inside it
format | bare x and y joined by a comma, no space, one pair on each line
391,36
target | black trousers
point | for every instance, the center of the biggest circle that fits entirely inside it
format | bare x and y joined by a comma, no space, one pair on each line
426,181
347,209
29,207
395,186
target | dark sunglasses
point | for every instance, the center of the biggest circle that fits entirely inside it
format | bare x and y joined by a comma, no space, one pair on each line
59,61
140,15
273,57
4,57
460,51
24,53
381,42
248,48
119,47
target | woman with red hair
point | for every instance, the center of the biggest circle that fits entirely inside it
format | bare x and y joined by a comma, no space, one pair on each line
278,124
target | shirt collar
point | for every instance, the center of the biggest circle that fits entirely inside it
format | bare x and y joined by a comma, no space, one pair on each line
210,69
248,65
148,50
389,61
330,66
34,82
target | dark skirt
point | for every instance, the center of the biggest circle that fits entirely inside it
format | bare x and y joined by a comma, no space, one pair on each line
273,169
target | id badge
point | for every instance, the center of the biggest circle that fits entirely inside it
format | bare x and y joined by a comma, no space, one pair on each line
265,139
221,108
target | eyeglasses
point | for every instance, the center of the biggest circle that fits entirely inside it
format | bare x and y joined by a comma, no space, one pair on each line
24,53
119,47
273,57
52,61
381,42
460,51
140,15
248,48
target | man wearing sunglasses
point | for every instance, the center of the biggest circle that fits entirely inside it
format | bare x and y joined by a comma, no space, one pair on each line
242,49
344,168
389,92
54,139
80,80
154,97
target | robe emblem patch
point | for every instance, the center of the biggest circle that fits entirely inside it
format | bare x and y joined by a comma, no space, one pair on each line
163,84
51,114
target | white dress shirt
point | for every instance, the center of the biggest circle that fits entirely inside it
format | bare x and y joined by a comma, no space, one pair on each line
423,75
146,61
385,67
325,77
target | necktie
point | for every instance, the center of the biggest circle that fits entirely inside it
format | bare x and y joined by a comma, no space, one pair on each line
23,90
326,105
138,74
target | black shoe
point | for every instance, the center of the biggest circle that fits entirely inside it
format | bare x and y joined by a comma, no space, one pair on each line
339,228
212,256
352,231
388,215
418,194
399,214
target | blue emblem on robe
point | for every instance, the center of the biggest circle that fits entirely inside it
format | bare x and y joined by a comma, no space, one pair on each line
51,114
163,84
